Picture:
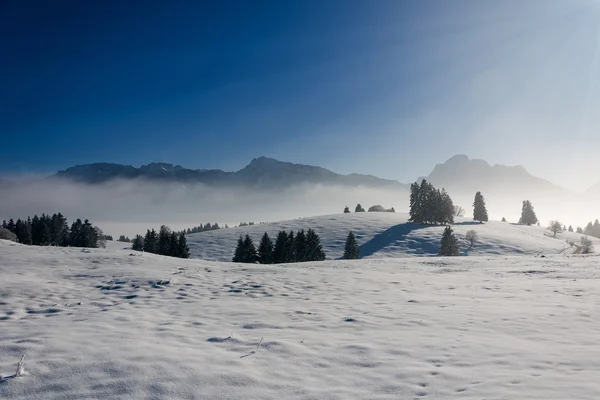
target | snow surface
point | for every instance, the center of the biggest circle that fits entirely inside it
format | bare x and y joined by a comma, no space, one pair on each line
115,324
383,235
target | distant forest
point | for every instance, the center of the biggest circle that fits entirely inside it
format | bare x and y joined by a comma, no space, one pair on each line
54,230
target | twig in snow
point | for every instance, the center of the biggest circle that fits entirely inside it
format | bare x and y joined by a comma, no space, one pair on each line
253,351
21,367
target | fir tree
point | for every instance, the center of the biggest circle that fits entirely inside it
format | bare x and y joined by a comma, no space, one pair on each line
528,216
165,247
265,250
570,228
137,243
479,209
314,250
359,208
11,226
346,210
151,241
290,249
183,251
23,232
250,255
579,230
238,255
351,249
449,244
300,246
280,249
172,245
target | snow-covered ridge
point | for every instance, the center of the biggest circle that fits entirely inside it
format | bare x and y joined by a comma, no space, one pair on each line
385,235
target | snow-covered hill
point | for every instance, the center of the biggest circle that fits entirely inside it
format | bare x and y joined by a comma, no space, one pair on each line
383,235
112,324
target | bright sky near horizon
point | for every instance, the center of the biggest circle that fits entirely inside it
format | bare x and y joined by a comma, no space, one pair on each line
388,88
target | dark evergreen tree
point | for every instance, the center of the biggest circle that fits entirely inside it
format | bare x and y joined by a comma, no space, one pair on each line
151,241
290,248
183,251
528,216
503,219
23,232
250,255
11,226
570,228
280,249
76,234
124,239
164,242
359,208
90,235
300,246
351,249
238,255
314,250
479,209
579,230
4,224
449,244
172,243
265,250
346,210
138,243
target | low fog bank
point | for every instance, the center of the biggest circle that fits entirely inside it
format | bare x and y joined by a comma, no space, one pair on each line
130,207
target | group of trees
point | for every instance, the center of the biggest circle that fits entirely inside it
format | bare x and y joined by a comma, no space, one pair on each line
429,205
592,229
164,242
124,239
288,248
375,208
201,228
54,230
528,216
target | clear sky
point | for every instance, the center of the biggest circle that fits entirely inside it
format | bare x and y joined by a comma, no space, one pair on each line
382,87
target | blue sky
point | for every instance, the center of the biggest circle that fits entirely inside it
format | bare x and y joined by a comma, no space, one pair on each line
384,87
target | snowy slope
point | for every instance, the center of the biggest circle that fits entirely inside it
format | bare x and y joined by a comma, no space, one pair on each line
382,235
98,324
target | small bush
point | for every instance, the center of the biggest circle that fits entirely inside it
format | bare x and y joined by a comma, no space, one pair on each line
587,246
8,235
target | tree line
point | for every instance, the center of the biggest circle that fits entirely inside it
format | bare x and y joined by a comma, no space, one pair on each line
375,208
201,228
288,248
54,230
164,242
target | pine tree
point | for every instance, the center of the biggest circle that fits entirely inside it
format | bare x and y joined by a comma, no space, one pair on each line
479,209
290,249
449,244
23,232
238,255
183,251
570,228
265,250
528,216
314,250
359,208
351,249
249,250
165,247
280,249
346,210
300,246
579,230
503,219
11,226
151,241
137,243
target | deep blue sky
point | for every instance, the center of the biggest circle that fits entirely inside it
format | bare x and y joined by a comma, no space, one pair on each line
382,87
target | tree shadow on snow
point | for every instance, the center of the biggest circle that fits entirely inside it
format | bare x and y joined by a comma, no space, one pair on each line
468,223
399,233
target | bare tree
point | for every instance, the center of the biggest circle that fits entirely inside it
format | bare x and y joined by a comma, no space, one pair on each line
586,245
472,238
459,211
555,227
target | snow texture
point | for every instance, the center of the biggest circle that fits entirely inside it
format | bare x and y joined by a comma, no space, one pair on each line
382,235
115,324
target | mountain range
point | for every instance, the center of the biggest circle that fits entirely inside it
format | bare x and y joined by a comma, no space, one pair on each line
458,174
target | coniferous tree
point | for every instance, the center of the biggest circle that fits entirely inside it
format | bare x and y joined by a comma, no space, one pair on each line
300,246
346,210
250,255
280,249
570,228
359,208
183,251
137,243
151,241
172,243
4,224
429,205
238,255
314,250
528,216
449,243
265,250
290,249
11,226
351,249
76,234
579,229
479,209
165,247
23,232
503,219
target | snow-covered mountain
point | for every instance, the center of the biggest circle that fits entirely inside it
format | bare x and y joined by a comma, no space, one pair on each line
463,175
385,235
262,172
